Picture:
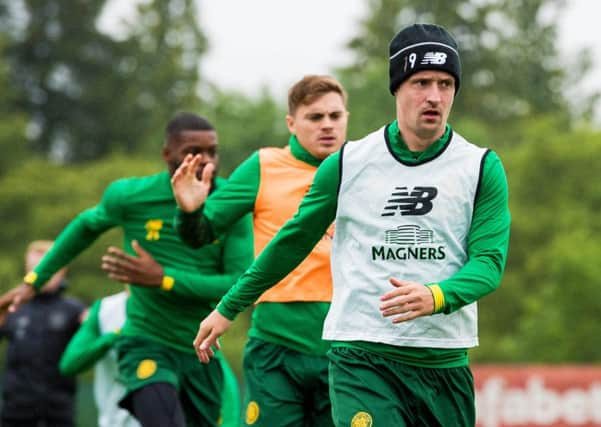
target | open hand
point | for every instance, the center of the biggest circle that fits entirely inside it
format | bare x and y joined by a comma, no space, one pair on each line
406,301
189,191
211,328
13,299
141,270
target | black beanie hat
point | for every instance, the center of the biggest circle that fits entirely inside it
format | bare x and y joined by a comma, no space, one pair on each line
423,47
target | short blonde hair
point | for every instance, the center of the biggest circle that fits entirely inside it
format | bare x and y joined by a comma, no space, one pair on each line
39,246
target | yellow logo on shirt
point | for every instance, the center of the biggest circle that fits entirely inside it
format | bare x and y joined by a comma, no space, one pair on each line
146,369
252,412
362,419
153,226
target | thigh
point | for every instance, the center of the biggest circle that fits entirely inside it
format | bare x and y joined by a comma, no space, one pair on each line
366,388
319,408
230,396
272,397
362,393
157,405
201,391
142,362
447,396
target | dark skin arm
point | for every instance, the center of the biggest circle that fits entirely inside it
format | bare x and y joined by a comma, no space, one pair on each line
141,270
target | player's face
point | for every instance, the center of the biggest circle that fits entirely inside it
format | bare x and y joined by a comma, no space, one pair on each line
320,127
203,142
32,258
423,103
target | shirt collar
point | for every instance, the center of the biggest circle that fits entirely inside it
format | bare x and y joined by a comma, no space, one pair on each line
404,153
300,153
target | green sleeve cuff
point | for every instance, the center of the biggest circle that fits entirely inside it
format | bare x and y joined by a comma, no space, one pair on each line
228,314
192,227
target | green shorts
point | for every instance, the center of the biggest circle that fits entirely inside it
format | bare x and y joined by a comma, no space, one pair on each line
367,390
143,362
285,388
230,401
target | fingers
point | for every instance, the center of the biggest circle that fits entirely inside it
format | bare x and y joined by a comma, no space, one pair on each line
407,301
211,328
399,283
13,299
16,303
403,312
204,342
401,287
399,305
177,175
190,191
117,268
5,300
187,169
409,315
207,174
123,278
138,249
117,260
114,270
184,168
112,250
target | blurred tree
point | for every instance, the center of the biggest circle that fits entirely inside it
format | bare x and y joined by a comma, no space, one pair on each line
12,122
164,47
547,307
89,94
510,60
245,124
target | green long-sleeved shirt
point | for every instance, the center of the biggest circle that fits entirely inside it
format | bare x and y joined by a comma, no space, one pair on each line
87,346
487,243
296,325
144,208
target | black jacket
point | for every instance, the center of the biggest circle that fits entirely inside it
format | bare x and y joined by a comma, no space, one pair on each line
38,332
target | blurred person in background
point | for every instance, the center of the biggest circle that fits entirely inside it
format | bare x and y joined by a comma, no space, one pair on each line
34,392
93,346
165,384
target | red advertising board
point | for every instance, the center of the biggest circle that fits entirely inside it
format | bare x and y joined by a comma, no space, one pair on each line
537,395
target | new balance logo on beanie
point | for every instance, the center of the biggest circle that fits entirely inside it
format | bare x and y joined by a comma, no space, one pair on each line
423,47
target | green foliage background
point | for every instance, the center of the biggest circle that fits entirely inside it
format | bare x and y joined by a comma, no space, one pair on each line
59,154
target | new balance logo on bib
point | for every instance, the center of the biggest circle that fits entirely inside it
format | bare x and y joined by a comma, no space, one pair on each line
416,202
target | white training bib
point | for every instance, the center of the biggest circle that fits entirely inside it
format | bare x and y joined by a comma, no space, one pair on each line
405,221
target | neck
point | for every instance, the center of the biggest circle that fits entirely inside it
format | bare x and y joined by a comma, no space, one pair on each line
417,142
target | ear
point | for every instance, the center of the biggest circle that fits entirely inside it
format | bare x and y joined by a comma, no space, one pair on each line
165,153
290,123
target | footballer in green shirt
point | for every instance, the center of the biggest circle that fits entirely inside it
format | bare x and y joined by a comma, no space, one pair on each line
422,233
165,383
